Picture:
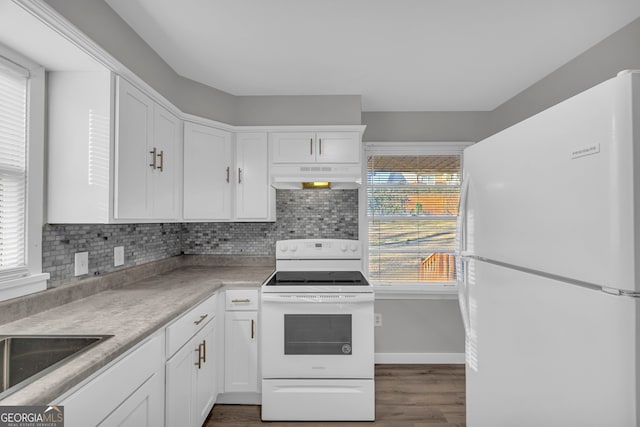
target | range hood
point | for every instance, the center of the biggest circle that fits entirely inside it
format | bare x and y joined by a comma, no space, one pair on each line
296,177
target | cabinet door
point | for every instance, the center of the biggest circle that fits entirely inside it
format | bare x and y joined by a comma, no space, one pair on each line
293,147
134,130
206,387
208,173
338,147
241,351
165,184
254,194
179,401
144,408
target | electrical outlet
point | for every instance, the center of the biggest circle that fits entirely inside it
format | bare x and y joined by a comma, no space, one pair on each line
378,319
118,256
81,264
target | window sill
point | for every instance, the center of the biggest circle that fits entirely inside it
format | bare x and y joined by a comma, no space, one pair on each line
398,291
14,288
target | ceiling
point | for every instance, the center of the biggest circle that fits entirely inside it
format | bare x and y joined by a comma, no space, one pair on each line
399,55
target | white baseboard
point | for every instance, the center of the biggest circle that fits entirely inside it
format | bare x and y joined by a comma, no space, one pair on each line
420,358
239,398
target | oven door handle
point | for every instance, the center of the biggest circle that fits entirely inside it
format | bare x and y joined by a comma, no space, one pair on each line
318,299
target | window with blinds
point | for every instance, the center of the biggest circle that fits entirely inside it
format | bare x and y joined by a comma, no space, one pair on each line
13,170
411,212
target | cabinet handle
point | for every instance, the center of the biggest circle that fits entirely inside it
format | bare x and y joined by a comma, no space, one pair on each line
197,322
199,362
311,146
228,169
153,158
239,176
240,300
253,323
161,155
204,351
320,143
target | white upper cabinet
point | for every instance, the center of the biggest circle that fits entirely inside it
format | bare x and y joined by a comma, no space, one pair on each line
254,196
338,147
99,172
207,173
79,147
134,133
147,145
315,147
226,180
166,176
293,147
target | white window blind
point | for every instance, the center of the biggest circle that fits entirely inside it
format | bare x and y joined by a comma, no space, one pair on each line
411,212
13,170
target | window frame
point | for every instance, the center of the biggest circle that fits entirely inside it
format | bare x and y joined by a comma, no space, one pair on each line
34,280
403,290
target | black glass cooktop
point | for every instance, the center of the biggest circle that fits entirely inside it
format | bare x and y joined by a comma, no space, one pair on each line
317,278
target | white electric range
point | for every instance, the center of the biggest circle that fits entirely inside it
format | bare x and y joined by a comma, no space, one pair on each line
317,324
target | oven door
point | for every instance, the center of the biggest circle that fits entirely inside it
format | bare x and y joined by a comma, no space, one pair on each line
317,335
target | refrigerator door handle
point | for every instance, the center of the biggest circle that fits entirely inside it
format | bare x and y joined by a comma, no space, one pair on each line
461,227
461,247
463,295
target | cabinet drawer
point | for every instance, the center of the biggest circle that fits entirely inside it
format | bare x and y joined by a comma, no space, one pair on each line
242,299
180,331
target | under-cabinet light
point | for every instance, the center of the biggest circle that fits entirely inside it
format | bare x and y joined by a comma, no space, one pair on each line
316,185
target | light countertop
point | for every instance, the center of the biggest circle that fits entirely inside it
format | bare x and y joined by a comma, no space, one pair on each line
129,313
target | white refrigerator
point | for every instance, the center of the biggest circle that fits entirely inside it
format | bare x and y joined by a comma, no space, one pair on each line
549,265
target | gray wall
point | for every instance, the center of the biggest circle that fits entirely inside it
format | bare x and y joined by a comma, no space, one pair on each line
419,326
620,51
425,126
298,110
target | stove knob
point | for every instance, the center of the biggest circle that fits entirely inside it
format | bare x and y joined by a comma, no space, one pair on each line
343,247
294,248
353,247
283,248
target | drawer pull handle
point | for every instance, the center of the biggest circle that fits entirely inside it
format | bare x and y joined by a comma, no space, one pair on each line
204,316
253,329
240,300
227,173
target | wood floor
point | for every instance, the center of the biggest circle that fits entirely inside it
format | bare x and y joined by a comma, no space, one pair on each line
406,396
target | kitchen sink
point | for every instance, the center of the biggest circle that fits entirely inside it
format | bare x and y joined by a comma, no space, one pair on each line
25,358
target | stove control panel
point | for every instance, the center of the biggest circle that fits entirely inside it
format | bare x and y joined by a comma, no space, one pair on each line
318,249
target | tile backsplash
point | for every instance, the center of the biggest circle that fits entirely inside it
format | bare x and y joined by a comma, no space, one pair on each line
142,243
300,214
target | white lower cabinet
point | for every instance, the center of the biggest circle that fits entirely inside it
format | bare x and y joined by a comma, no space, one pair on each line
241,342
143,408
191,386
128,393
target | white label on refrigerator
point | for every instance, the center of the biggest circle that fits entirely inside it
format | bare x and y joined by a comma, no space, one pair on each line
585,150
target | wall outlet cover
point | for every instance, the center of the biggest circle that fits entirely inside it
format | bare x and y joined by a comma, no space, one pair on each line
378,319
118,256
81,264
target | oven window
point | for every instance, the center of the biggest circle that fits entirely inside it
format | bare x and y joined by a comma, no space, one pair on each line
317,334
